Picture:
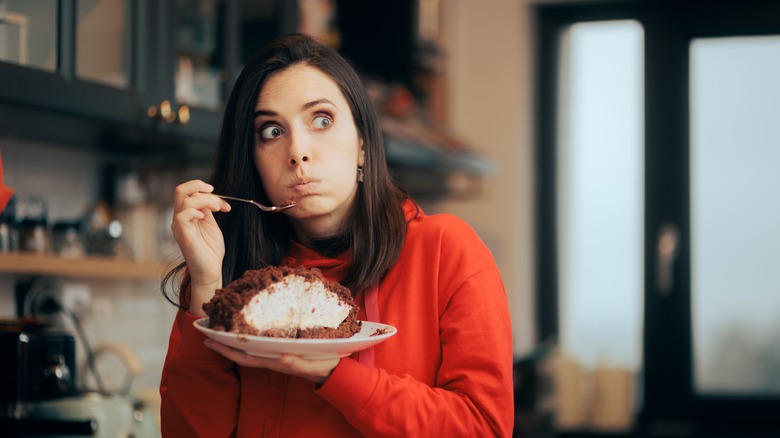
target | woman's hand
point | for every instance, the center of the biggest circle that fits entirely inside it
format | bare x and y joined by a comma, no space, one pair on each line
199,238
316,370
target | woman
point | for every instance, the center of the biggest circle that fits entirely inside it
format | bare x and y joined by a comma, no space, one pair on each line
299,125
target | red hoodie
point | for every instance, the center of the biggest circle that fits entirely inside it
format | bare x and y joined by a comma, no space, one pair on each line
446,373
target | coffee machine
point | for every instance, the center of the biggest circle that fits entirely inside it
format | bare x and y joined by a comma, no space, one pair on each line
40,392
37,366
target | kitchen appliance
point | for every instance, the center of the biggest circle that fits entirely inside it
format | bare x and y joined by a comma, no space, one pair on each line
40,363
39,393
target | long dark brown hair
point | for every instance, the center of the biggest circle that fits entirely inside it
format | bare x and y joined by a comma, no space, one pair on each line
375,226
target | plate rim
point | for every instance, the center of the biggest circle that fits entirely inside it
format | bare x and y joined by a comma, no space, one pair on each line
199,324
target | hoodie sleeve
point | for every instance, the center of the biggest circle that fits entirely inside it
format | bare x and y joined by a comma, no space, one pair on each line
472,395
199,387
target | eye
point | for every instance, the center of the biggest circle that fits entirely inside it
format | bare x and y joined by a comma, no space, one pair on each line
322,122
270,132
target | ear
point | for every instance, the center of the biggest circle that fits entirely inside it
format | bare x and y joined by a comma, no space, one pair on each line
361,154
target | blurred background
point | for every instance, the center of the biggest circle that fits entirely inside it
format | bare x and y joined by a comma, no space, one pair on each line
617,157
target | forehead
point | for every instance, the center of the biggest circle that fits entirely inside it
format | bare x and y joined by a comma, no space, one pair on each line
299,82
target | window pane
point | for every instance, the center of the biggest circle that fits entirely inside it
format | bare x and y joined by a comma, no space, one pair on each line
103,44
199,71
735,213
600,193
28,33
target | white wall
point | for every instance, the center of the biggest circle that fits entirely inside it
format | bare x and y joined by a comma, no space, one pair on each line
489,52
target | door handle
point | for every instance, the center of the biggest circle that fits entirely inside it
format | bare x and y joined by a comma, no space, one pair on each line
667,249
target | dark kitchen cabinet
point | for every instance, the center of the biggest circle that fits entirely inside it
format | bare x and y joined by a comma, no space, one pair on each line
46,62
127,75
200,50
144,80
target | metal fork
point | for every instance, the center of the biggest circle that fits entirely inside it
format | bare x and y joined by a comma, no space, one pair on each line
259,205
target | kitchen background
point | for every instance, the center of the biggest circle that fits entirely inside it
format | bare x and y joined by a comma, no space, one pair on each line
84,155
98,123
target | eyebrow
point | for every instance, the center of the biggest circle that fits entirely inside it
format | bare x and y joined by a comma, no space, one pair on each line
304,107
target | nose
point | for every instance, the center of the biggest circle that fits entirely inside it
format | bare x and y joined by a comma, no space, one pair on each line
299,152
298,159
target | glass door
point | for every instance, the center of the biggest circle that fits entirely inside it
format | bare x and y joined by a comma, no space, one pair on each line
599,191
195,61
204,46
201,70
104,42
709,216
735,214
28,33
711,298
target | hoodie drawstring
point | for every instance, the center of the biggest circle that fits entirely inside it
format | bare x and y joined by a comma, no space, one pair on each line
371,301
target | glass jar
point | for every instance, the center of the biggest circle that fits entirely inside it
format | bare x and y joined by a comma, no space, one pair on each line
33,230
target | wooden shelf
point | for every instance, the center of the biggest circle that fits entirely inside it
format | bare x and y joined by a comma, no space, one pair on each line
94,268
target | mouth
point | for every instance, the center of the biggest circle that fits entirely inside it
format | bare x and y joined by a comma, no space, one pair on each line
303,187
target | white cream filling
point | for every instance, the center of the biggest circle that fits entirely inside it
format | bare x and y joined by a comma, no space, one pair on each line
294,302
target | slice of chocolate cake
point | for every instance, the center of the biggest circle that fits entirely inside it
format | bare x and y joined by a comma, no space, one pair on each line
284,302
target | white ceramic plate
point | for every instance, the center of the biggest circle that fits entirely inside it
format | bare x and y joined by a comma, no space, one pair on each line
308,348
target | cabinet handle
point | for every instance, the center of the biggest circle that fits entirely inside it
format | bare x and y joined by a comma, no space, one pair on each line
165,112
183,114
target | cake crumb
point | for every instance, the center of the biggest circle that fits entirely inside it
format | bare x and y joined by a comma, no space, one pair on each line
380,331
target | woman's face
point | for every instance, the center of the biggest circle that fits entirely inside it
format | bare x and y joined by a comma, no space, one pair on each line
307,148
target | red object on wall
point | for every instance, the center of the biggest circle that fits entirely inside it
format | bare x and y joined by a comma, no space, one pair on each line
5,192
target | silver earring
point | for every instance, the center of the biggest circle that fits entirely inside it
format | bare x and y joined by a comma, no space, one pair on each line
360,174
